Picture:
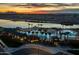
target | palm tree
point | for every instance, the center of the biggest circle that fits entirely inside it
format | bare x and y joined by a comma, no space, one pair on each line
28,32
65,37
32,33
29,25
45,38
40,25
66,33
60,34
49,33
52,40
42,32
37,33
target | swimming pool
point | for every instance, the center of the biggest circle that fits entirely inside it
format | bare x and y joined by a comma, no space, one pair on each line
44,35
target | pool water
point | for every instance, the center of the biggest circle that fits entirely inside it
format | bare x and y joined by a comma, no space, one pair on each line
71,35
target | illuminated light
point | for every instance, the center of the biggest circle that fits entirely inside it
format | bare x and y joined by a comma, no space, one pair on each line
34,40
21,39
25,37
18,37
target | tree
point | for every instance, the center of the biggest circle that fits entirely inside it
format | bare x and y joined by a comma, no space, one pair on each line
66,33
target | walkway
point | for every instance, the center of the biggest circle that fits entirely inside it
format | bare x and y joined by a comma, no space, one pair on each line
52,50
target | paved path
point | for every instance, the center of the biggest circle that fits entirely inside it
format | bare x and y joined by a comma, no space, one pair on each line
52,50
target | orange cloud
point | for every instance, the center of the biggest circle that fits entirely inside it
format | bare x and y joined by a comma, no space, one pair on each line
26,10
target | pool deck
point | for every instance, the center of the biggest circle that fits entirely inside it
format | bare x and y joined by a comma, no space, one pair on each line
52,50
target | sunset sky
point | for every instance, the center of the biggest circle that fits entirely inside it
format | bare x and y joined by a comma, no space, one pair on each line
36,8
23,8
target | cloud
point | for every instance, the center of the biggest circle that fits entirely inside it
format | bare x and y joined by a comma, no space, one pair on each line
28,9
